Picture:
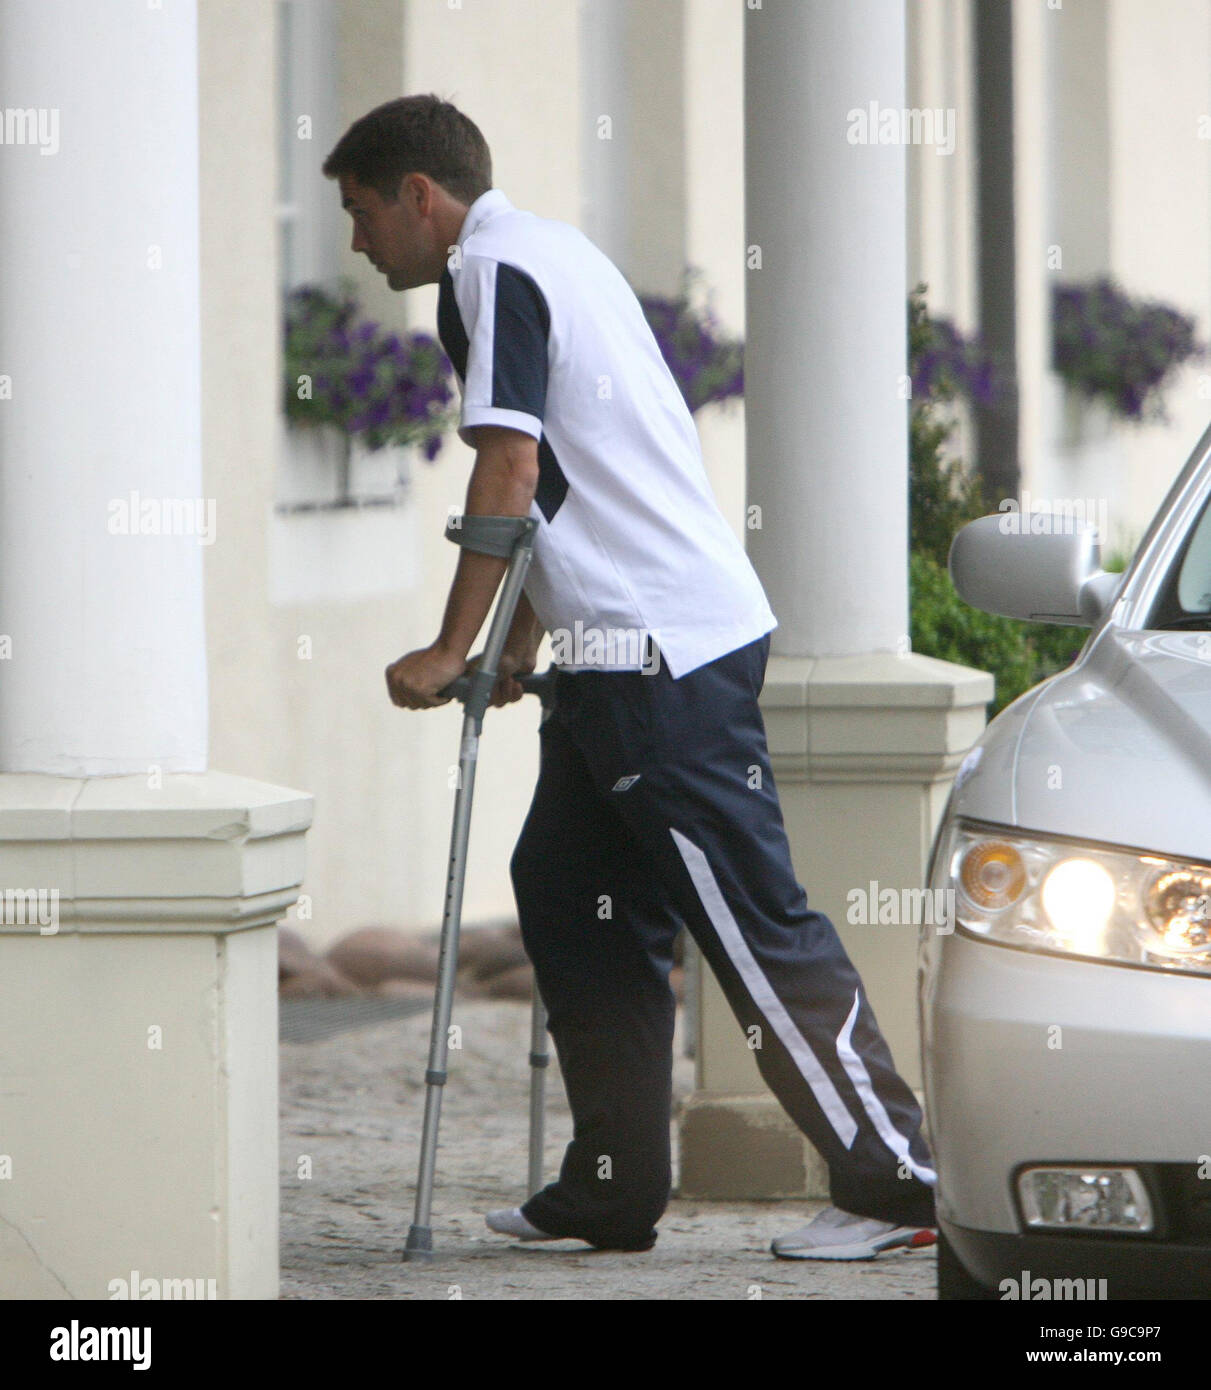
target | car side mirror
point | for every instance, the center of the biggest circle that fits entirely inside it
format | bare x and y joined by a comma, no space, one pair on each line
1054,574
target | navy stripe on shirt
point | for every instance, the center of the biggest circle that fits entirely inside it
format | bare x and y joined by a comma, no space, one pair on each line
519,343
520,333
552,482
450,326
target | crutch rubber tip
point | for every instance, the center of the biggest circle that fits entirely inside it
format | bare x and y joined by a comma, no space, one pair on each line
419,1245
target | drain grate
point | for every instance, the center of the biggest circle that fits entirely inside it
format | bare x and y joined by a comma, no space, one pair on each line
312,1020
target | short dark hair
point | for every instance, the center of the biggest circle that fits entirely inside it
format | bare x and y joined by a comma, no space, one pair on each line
418,134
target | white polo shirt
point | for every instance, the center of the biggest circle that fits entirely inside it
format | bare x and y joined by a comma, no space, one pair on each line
547,337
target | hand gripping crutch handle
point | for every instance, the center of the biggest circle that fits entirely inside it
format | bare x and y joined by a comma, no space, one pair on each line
507,537
540,683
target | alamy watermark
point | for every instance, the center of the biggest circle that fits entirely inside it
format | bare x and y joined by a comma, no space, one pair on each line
83,1342
30,907
1039,1289
611,648
1041,516
144,1287
897,907
887,125
31,125
136,515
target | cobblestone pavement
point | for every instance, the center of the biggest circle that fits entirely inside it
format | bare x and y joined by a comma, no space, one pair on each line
352,1106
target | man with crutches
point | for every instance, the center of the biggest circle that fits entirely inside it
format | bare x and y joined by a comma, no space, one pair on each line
655,803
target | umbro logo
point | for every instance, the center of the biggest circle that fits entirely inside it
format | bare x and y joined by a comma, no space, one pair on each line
625,783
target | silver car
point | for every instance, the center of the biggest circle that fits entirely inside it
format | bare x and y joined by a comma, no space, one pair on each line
1065,1007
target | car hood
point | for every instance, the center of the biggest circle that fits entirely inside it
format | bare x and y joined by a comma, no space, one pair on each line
1115,749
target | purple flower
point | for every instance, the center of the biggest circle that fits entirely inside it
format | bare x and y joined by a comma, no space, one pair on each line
361,380
705,364
943,361
369,382
1107,345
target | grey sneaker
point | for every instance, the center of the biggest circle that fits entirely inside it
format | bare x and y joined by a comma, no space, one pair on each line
509,1221
834,1234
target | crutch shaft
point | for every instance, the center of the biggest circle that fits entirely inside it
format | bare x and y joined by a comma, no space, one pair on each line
511,536
419,1239
539,1060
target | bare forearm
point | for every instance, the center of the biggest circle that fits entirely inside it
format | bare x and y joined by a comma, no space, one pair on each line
526,633
502,484
475,583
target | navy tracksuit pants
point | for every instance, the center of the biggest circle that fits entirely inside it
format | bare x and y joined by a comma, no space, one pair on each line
656,806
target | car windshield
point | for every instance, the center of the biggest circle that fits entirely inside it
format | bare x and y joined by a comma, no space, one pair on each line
1185,601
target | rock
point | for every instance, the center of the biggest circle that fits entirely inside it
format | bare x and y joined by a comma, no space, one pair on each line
371,955
403,989
515,983
499,963
466,986
294,954
486,951
316,979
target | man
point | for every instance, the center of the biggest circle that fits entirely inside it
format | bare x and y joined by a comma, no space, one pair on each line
655,803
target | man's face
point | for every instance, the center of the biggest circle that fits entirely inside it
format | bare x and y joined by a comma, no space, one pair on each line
396,236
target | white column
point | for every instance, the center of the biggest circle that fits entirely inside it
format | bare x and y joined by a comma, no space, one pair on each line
605,139
826,420
138,891
139,1032
714,226
942,209
864,736
1034,231
633,137
1157,64
99,334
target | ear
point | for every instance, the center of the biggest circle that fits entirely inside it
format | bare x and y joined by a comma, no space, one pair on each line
418,189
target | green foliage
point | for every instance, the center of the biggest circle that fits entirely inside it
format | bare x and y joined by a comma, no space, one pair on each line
943,497
1118,560
942,625
1055,647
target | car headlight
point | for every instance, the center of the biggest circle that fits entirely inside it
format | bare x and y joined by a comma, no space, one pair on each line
1078,899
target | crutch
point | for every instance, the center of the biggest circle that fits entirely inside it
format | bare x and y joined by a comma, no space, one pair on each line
511,538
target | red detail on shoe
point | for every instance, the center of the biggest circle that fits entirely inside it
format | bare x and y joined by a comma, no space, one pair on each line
923,1238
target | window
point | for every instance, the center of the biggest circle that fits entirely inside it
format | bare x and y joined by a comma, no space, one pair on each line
309,215
317,469
1185,600
320,547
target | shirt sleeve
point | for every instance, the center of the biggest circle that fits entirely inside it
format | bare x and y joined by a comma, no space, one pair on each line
508,328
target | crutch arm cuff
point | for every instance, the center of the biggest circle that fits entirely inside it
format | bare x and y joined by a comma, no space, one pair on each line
490,535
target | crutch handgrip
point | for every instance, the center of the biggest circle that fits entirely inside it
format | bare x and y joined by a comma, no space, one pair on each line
540,683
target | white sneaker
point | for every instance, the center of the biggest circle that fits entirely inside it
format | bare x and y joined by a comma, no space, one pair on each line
509,1221
834,1234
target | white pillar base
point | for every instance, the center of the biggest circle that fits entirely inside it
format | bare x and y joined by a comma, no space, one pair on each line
139,1033
864,750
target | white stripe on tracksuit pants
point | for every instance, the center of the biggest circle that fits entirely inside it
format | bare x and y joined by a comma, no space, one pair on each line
605,875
